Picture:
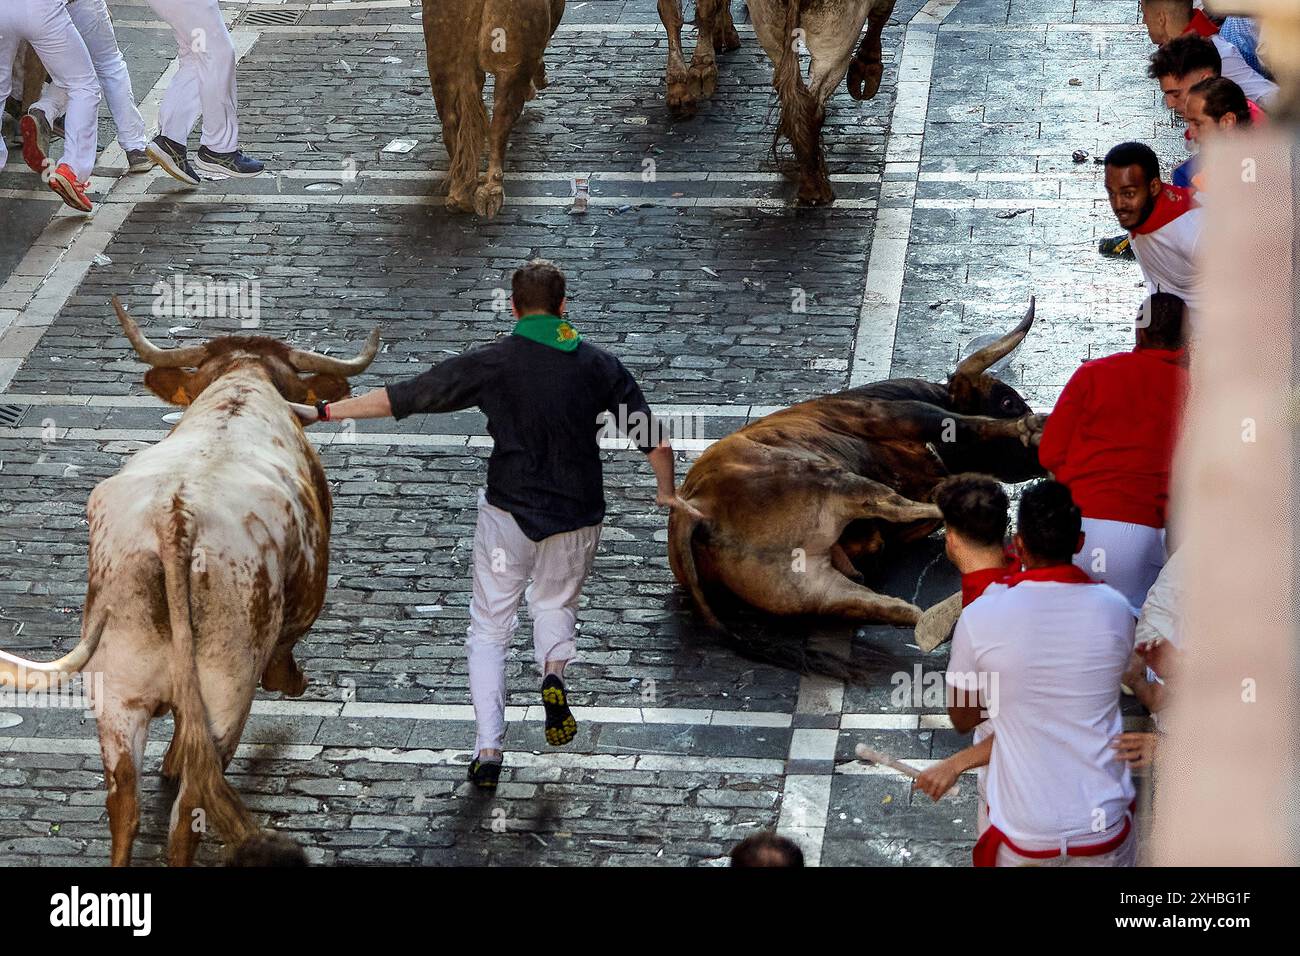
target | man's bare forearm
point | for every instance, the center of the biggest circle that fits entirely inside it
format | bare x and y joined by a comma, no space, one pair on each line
373,404
661,460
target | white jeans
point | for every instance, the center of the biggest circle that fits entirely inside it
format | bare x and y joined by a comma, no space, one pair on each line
96,29
1126,556
45,24
205,82
504,560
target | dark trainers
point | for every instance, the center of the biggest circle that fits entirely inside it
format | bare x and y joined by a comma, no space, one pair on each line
233,163
36,140
560,725
172,157
484,774
1117,247
138,161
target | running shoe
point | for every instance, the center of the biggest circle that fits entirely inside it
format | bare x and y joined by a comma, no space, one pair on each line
560,725
138,161
64,182
233,163
484,774
172,157
36,140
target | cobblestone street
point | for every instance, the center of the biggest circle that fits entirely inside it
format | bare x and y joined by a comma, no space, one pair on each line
958,199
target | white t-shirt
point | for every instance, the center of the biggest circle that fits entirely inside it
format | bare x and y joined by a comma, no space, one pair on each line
1050,656
1255,85
1167,257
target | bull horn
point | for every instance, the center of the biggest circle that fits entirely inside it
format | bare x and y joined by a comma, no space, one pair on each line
315,362
151,354
37,675
977,363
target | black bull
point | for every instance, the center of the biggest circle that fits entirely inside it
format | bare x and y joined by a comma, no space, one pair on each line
787,502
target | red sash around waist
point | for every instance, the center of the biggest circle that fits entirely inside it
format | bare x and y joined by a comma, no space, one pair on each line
986,847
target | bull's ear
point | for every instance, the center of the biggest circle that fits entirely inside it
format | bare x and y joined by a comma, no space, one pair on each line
173,385
325,388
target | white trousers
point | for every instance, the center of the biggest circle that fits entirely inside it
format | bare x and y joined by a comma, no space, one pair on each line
205,82
505,559
46,25
1126,556
96,28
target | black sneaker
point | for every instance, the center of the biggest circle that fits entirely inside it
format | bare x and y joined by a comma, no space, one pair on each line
1117,247
233,163
172,157
138,161
560,725
484,774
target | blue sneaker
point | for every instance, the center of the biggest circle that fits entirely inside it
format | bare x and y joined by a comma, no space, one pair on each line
172,157
233,163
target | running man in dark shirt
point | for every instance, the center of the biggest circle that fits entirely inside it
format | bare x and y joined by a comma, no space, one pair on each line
542,389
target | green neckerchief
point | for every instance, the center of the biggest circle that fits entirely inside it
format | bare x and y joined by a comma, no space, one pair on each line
549,330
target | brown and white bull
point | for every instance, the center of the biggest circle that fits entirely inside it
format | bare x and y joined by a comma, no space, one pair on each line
786,503
209,554
465,40
829,31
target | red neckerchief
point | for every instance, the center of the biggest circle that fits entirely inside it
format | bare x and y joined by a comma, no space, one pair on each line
1062,573
974,583
1172,202
1201,25
1257,115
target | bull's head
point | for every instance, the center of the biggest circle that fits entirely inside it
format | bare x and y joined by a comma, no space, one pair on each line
973,391
180,375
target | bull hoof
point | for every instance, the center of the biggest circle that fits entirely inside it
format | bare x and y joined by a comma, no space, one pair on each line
680,98
864,79
726,39
459,202
704,81
489,199
816,193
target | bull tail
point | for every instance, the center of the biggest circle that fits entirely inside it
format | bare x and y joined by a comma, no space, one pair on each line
25,676
202,778
799,108
681,546
466,120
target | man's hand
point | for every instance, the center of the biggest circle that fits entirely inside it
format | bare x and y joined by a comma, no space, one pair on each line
938,779
1137,748
306,413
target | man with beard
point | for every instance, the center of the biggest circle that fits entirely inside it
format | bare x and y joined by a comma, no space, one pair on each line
1163,223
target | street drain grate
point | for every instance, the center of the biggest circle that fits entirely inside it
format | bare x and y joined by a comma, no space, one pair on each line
272,18
11,415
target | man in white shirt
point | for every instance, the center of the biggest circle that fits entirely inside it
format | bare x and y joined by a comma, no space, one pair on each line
1040,657
1168,20
1164,223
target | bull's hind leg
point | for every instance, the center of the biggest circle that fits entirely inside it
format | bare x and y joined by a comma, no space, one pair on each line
283,673
511,92
868,68
704,62
122,733
840,597
680,98
725,37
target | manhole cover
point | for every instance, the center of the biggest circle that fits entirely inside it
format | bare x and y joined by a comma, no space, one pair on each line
9,720
272,18
11,415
